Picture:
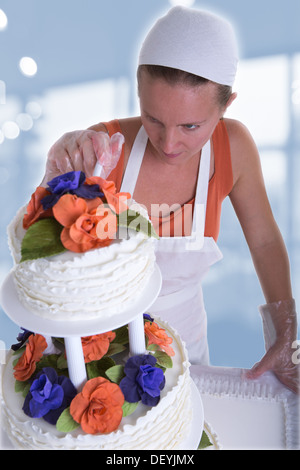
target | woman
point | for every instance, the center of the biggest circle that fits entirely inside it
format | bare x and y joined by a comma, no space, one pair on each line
181,159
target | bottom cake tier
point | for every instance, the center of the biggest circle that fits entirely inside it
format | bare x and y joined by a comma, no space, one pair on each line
160,427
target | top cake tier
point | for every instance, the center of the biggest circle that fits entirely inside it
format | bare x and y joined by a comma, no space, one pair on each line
95,283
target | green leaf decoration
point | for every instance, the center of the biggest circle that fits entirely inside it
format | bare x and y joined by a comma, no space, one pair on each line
19,351
115,373
42,239
15,361
129,408
92,370
121,335
135,221
205,442
22,387
47,361
26,390
65,422
152,347
163,359
98,368
62,362
115,348
60,341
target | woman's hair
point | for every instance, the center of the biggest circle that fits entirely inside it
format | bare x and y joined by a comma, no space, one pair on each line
176,76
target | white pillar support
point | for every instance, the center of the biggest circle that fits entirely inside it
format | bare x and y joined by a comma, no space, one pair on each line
136,331
75,358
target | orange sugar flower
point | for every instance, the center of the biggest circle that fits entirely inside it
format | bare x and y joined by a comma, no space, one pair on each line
108,186
85,226
96,346
26,365
116,201
98,407
35,209
69,207
90,231
157,335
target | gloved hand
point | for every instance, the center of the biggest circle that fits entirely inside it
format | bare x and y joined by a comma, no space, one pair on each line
80,150
108,151
280,332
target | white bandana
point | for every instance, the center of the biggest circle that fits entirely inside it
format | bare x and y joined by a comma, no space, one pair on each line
195,41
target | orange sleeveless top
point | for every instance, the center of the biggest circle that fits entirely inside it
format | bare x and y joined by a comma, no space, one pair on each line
219,186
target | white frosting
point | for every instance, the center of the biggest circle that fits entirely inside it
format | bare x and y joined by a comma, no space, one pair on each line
97,283
165,426
101,282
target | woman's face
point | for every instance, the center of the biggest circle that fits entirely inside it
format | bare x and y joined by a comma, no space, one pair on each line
178,119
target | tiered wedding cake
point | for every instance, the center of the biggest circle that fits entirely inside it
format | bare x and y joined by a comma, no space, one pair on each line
84,253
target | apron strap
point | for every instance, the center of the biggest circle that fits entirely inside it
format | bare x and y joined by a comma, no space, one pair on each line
134,162
134,165
201,193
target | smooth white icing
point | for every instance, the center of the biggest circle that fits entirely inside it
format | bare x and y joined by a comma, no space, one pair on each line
162,427
97,283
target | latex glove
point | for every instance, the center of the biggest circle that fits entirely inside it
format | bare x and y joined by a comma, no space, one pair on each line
108,151
280,332
78,150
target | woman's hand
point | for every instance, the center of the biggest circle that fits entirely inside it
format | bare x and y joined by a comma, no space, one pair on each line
278,360
73,151
280,331
80,151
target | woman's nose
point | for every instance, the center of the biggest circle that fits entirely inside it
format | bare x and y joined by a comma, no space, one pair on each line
168,140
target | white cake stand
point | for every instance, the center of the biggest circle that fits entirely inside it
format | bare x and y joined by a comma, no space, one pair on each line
73,330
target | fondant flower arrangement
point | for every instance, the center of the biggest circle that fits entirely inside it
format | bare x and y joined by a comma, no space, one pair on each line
76,213
112,390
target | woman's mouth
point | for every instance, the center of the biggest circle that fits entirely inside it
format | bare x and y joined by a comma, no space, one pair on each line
172,155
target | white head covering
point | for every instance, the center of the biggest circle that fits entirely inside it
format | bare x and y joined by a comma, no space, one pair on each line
195,41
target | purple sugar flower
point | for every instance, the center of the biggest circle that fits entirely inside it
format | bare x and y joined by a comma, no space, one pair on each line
66,182
143,381
72,183
22,338
49,395
147,317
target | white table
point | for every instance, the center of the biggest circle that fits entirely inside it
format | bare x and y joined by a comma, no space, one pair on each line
248,414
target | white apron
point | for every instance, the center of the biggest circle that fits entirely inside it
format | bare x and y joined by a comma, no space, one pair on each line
183,261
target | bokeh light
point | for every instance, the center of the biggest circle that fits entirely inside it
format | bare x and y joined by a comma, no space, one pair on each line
3,20
28,66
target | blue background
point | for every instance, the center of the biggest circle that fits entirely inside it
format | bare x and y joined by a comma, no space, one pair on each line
86,56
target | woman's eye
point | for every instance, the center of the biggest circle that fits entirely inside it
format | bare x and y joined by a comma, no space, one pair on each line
152,119
191,127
